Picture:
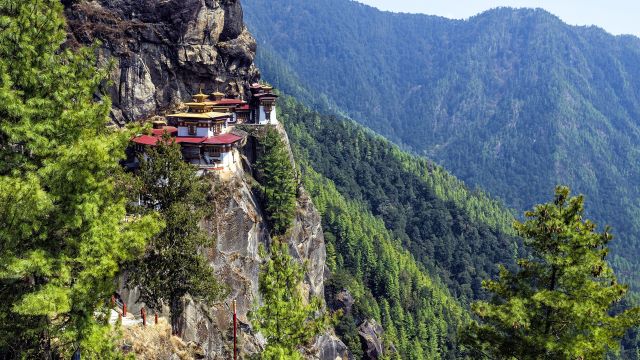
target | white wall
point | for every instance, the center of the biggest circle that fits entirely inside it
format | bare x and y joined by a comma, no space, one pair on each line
200,132
226,159
204,132
263,118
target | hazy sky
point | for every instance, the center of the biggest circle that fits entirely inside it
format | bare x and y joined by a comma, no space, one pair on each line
615,16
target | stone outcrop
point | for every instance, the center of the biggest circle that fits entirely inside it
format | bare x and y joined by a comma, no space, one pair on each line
371,335
341,301
329,347
239,229
163,51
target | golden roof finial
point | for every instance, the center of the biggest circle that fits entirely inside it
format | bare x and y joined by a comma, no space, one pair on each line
200,97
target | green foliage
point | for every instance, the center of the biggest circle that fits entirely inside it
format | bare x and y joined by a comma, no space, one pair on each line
278,180
172,265
513,101
443,229
417,311
285,319
63,234
558,305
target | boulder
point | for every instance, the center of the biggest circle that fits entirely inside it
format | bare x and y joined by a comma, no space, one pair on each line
371,335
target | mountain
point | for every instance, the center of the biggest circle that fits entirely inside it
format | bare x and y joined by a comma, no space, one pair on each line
512,101
161,54
408,241
394,241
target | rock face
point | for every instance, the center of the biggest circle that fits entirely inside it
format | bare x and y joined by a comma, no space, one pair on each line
329,347
164,50
239,230
371,334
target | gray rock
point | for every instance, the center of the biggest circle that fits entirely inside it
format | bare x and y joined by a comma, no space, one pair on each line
344,301
371,333
329,347
163,51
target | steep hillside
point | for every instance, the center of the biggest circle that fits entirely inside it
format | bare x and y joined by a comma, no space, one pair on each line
373,278
513,101
368,191
399,231
444,233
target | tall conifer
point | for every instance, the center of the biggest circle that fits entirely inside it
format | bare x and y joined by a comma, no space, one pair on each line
278,182
558,304
172,265
285,319
63,232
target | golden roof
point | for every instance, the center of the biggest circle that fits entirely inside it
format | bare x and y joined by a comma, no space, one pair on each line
200,97
200,104
207,115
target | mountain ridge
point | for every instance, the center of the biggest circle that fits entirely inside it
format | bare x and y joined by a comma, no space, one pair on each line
512,101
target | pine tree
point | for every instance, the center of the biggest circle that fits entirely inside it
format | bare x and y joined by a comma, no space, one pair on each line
284,318
558,305
62,229
172,266
278,182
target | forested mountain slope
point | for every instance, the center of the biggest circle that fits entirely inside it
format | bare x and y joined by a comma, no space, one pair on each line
513,101
446,233
376,199
396,239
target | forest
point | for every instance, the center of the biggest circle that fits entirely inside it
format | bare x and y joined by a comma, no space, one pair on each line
367,189
439,230
513,101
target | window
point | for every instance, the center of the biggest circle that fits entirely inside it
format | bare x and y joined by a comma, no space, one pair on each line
192,129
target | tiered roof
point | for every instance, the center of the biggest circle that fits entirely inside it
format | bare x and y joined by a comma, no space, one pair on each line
223,139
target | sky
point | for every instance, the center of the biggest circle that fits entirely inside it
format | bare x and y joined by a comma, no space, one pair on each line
615,16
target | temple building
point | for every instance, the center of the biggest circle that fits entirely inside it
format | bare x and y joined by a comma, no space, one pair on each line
206,128
263,104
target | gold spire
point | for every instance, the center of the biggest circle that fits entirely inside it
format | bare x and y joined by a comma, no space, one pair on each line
200,97
217,96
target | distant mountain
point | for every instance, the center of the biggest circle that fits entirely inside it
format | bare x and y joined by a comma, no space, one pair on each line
406,239
514,101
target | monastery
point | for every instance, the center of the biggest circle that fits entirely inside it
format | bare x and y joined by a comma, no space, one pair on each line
206,130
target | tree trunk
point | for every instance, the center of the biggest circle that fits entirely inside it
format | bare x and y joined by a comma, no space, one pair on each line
177,307
46,345
552,287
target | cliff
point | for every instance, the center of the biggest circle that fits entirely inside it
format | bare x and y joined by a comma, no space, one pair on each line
239,228
163,51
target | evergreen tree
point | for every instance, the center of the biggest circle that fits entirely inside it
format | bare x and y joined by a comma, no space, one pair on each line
62,228
558,305
285,319
172,265
278,182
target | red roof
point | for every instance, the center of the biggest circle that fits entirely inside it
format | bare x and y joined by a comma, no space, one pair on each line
224,139
243,107
169,129
146,140
189,140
